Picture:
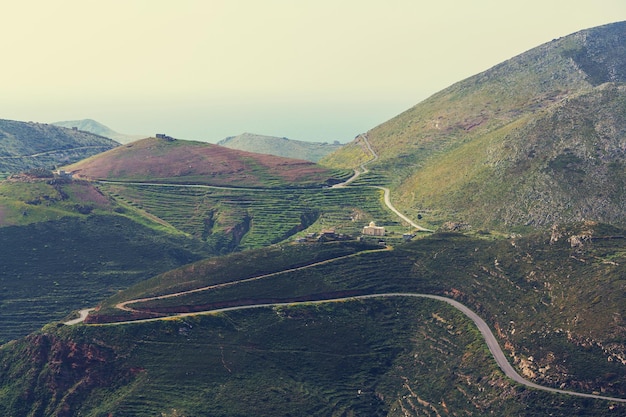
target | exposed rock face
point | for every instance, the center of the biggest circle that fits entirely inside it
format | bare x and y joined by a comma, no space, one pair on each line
60,372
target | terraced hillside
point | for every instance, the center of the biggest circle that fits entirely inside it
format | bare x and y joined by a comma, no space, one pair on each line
186,162
281,328
75,241
236,219
65,246
535,140
373,357
25,146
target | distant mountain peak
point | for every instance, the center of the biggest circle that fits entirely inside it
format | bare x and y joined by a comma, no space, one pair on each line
280,146
92,126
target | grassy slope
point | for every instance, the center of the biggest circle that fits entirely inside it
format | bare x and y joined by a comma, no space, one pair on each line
532,286
460,153
65,245
178,161
288,148
40,215
257,217
25,146
417,355
49,269
577,174
349,358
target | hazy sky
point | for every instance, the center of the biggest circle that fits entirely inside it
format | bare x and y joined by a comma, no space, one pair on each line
312,70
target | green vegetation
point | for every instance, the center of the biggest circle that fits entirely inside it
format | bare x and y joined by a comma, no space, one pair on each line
51,268
109,237
238,266
239,219
24,146
288,148
375,357
531,146
540,293
502,136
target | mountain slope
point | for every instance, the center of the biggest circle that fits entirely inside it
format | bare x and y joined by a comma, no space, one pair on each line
25,146
65,245
464,154
288,148
179,161
368,357
92,126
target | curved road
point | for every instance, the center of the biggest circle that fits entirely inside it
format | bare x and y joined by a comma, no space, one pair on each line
82,315
124,304
387,193
482,326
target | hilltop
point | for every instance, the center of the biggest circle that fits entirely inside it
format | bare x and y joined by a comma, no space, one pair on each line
180,161
274,325
28,145
535,140
92,126
288,148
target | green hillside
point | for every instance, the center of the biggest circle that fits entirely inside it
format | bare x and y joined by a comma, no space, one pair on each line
76,242
228,283
238,219
366,357
25,146
288,148
65,245
535,140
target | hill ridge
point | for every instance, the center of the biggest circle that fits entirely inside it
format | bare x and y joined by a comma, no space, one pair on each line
459,154
290,148
29,145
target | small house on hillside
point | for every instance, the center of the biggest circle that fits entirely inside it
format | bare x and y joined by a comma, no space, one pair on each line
64,174
373,230
165,137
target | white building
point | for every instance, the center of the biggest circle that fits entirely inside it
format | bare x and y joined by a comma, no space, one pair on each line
373,230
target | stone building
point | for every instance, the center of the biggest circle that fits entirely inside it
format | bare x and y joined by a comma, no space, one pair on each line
373,230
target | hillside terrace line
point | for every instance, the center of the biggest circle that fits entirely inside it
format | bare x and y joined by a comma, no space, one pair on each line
482,326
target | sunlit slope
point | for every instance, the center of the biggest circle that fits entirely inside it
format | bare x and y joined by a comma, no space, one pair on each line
497,149
179,161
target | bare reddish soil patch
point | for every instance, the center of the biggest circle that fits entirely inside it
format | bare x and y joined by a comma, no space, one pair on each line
87,193
199,163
